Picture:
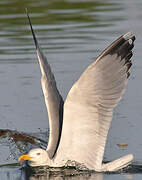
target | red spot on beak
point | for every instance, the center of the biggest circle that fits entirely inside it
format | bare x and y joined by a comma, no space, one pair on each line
22,159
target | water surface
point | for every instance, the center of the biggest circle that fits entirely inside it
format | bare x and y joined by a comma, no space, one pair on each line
72,34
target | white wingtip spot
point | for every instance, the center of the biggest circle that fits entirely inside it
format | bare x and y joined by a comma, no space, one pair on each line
130,41
128,35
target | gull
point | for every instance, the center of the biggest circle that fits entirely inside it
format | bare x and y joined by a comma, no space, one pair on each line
79,126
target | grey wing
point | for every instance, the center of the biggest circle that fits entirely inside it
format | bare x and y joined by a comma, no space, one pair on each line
53,99
89,105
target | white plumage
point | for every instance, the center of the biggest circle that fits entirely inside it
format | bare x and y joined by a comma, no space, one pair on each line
78,130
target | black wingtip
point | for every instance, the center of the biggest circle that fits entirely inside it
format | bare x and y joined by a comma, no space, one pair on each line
34,37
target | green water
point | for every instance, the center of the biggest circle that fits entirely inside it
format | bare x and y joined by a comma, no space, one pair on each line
72,33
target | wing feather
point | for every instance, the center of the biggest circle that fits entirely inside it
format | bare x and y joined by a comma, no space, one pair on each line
53,99
89,106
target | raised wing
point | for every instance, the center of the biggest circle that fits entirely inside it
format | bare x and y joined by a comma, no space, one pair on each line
89,105
53,99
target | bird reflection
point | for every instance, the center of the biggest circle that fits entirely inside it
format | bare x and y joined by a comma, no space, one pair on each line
68,174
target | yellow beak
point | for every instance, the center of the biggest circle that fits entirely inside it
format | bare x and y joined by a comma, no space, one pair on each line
24,157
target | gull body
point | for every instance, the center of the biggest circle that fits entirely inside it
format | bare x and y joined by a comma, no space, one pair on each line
79,126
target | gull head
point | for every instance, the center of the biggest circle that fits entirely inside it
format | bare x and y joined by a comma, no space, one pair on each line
37,157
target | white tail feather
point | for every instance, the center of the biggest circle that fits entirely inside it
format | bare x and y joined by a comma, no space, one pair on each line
118,163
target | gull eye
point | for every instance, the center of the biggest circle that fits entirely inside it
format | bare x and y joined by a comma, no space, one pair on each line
38,154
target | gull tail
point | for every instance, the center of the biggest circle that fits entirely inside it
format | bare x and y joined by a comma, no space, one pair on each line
118,164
